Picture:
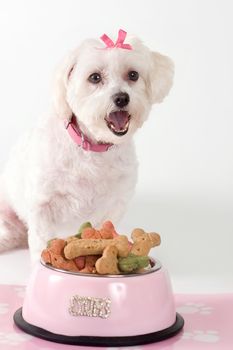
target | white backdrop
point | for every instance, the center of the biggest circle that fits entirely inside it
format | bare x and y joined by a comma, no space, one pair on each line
185,188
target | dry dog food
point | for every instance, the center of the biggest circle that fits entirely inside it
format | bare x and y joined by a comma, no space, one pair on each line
101,251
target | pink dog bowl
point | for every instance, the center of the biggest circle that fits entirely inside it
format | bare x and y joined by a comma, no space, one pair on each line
119,310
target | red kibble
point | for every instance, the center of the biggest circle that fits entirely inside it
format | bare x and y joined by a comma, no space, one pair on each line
80,262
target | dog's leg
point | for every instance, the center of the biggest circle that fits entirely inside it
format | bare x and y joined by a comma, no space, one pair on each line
37,242
41,227
38,236
13,232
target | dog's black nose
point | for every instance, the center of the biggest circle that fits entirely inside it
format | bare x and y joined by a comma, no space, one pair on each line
121,99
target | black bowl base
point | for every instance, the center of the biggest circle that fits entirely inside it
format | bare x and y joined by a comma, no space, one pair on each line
99,341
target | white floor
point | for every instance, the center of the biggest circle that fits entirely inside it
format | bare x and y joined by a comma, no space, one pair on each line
197,241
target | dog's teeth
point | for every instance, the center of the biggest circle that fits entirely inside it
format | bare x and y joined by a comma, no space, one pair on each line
112,126
116,130
127,125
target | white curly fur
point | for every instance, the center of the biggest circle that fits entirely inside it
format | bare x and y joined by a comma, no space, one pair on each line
50,185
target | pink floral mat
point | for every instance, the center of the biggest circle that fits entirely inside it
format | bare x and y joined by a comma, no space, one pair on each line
208,324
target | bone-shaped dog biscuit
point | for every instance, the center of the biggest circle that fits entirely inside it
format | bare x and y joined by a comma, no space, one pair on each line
80,247
143,241
53,255
107,264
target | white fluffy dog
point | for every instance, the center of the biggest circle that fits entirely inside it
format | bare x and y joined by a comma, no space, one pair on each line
79,163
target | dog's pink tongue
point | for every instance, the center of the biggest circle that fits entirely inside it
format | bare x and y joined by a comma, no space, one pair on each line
119,119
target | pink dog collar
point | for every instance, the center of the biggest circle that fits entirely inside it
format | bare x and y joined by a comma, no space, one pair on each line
119,43
81,140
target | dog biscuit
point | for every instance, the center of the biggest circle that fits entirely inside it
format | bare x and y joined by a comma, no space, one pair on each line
90,232
84,247
143,242
54,255
108,263
90,261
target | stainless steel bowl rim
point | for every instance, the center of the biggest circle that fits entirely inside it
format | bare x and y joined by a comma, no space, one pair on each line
155,266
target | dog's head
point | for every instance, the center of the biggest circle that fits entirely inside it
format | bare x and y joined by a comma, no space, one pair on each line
111,90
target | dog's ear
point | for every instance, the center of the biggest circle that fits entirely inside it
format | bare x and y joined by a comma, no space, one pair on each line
161,77
62,76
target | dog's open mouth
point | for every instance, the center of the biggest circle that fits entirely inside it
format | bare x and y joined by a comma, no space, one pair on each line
118,122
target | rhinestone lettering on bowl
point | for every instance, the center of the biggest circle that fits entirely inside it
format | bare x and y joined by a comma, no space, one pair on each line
90,306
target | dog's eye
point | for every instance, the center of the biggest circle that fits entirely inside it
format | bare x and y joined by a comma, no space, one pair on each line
94,78
133,75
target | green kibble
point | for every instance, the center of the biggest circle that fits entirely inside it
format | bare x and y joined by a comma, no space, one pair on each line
82,227
132,263
78,235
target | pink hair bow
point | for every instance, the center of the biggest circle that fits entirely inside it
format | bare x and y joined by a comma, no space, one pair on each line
119,43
